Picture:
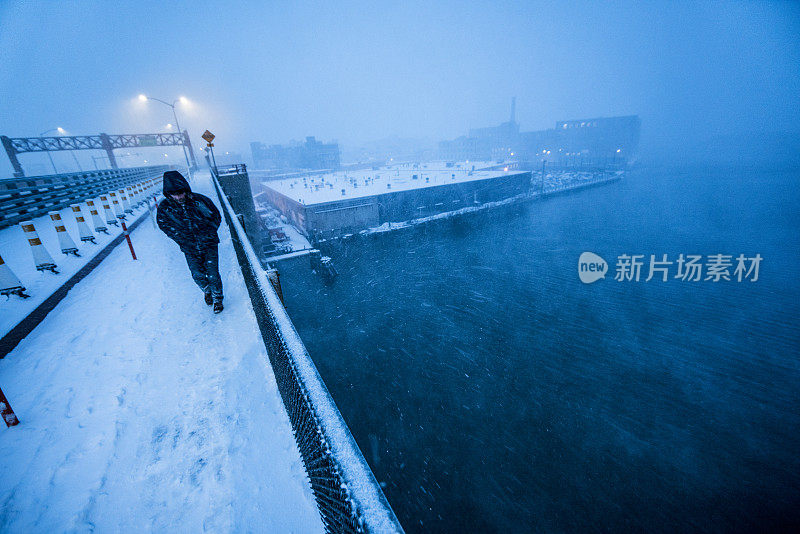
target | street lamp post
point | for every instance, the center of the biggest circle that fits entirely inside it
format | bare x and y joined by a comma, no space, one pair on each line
144,98
62,132
55,171
76,160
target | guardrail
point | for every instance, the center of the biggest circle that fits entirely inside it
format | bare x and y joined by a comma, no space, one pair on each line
597,178
26,323
236,168
30,197
348,497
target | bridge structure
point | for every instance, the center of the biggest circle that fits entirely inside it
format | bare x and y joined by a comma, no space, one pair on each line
21,145
138,406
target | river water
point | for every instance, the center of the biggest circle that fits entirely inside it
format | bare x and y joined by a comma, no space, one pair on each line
491,391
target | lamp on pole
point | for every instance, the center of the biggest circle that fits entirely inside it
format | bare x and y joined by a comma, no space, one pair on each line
59,130
182,100
62,131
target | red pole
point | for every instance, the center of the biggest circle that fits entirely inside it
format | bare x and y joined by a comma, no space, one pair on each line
8,414
128,238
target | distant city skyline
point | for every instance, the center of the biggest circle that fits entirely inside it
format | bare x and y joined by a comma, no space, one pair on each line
359,72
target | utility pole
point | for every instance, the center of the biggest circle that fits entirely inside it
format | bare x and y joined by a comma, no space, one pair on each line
213,159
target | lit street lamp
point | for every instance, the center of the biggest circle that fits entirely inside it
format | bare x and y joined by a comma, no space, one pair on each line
183,101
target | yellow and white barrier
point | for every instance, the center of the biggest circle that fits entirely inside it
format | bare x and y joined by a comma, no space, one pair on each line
125,204
110,217
99,226
83,228
9,283
64,240
131,194
41,258
117,208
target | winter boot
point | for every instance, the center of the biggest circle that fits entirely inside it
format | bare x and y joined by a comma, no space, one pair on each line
218,307
209,299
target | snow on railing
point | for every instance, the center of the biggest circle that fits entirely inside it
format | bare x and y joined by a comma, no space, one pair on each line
348,496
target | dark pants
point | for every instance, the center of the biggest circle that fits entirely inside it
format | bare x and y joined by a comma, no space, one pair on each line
204,265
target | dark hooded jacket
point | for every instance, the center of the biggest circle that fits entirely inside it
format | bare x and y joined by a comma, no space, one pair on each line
192,224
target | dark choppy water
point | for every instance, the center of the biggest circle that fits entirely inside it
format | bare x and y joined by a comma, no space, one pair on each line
492,391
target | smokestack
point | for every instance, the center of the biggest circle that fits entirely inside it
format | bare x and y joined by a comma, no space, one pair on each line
513,109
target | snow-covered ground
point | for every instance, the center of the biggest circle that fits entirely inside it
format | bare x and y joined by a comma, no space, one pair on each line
272,218
141,411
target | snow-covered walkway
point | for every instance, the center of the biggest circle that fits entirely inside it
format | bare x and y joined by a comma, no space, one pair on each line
141,411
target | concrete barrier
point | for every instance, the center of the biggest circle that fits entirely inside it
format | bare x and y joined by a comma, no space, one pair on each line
126,205
99,226
9,283
41,258
110,217
64,240
83,229
115,204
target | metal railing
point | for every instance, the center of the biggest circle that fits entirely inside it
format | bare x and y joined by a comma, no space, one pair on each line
236,168
540,186
348,497
30,197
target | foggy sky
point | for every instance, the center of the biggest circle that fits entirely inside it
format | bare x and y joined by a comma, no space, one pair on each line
356,72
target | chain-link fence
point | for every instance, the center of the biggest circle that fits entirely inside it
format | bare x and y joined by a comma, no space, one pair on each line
348,497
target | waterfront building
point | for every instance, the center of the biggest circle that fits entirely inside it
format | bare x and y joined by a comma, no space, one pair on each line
312,154
333,204
598,140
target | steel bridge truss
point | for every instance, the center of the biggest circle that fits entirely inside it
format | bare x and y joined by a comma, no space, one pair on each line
21,145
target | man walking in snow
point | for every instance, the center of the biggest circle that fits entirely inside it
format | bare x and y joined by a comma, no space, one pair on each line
191,220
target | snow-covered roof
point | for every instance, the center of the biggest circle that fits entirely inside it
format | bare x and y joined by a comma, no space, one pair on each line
361,183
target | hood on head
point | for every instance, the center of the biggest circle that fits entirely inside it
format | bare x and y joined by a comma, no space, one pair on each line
174,182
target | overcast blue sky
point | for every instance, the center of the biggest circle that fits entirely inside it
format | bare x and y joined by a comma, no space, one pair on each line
354,72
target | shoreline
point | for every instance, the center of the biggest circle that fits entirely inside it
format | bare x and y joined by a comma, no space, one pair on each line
411,223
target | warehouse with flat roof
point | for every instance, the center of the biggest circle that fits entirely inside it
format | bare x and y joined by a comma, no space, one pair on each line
332,204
